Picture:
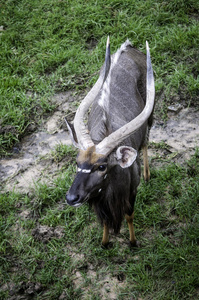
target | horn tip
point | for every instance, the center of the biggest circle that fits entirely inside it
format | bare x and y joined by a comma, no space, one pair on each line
108,42
147,46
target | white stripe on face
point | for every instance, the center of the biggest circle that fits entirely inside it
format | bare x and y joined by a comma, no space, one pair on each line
83,170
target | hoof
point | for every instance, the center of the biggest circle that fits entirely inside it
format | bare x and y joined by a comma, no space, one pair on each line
107,246
134,244
147,175
147,179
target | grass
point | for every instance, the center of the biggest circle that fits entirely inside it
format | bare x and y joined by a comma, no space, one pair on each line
51,46
48,249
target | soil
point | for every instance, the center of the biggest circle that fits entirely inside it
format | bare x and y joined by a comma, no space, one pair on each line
173,140
30,161
177,138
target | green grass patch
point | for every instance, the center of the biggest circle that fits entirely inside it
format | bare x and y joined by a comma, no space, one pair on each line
48,249
51,46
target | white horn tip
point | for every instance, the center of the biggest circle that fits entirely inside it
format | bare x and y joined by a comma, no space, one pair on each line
108,42
147,46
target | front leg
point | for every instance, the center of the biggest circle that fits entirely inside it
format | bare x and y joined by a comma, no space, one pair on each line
105,239
129,220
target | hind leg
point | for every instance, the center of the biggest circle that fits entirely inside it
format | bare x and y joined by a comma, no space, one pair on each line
146,163
105,239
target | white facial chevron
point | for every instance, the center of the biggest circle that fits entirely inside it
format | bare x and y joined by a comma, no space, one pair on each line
83,170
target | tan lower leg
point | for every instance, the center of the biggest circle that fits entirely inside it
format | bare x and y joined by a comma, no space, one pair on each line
131,228
105,238
146,164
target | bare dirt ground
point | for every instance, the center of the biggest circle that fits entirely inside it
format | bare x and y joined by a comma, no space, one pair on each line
173,140
178,137
30,162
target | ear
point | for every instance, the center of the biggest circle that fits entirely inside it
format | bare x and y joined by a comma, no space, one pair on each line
73,136
126,156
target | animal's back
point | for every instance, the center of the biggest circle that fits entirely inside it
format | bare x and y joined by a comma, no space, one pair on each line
123,96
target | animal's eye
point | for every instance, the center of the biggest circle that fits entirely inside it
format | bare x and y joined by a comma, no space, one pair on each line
102,168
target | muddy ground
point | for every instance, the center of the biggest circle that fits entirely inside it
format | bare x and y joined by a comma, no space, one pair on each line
173,140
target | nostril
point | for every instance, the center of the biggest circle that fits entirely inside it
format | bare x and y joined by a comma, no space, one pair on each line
72,199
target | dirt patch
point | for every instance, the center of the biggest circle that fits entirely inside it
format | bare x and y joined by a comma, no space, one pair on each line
24,290
26,167
106,285
44,233
177,139
173,140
